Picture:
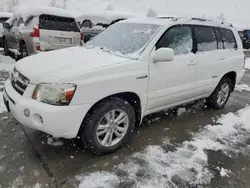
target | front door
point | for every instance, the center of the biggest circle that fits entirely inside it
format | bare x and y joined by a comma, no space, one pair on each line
174,82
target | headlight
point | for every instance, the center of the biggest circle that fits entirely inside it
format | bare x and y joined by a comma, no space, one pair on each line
54,94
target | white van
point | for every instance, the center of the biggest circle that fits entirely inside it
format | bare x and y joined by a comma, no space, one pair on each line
134,68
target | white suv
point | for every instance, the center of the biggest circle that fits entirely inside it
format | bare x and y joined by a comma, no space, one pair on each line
134,68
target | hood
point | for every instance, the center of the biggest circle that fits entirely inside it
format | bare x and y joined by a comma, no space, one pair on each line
62,65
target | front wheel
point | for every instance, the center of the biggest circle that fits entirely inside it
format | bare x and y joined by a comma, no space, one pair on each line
108,126
221,94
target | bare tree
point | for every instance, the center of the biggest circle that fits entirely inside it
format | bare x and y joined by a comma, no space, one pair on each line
52,3
2,8
110,7
221,17
151,13
65,4
13,5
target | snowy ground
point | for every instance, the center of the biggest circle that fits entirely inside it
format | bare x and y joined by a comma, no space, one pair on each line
186,165
247,65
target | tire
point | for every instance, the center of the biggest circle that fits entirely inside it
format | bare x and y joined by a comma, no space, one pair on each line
213,101
23,51
97,119
5,46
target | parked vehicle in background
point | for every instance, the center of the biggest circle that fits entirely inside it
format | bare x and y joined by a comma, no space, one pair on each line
132,69
4,16
94,23
34,29
245,38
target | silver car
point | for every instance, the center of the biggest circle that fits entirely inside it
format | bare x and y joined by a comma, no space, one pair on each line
4,16
40,32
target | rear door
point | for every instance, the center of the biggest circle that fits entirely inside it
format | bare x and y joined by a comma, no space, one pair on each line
209,53
58,32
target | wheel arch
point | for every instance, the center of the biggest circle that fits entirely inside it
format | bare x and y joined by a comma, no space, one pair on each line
232,76
132,98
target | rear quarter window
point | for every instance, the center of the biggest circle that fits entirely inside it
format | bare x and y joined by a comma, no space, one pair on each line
27,22
228,39
51,22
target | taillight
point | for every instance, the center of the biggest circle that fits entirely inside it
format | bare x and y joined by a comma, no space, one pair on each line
38,48
35,32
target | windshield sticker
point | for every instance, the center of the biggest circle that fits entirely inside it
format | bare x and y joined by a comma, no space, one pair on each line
145,31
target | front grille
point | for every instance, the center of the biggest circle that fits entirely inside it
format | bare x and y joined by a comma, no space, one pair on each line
19,81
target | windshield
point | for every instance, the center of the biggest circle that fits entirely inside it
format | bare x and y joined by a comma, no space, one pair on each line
126,38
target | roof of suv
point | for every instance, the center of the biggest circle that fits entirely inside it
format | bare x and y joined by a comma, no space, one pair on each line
27,11
179,20
103,17
5,14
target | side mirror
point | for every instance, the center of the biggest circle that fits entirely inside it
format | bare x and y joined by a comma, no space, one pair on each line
6,25
163,55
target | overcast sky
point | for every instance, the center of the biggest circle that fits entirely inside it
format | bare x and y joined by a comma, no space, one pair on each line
238,10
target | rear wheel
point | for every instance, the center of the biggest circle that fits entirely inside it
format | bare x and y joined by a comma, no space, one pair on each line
108,126
5,46
221,94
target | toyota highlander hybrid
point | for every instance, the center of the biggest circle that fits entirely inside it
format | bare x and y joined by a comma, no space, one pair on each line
136,67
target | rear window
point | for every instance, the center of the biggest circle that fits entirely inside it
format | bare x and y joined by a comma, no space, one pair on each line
228,39
50,22
3,19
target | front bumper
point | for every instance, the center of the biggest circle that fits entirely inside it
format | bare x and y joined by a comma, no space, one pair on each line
58,121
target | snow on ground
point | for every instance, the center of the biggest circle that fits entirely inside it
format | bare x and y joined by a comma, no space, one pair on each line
224,172
6,65
181,111
156,167
242,87
247,65
54,141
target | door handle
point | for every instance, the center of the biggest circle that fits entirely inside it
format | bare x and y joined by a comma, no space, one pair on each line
222,58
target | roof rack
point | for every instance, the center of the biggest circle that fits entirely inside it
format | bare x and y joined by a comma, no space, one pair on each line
218,21
165,17
196,19
169,17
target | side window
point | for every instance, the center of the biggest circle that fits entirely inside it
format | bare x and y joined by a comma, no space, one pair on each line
178,38
15,22
205,38
248,33
28,20
219,38
20,21
228,39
